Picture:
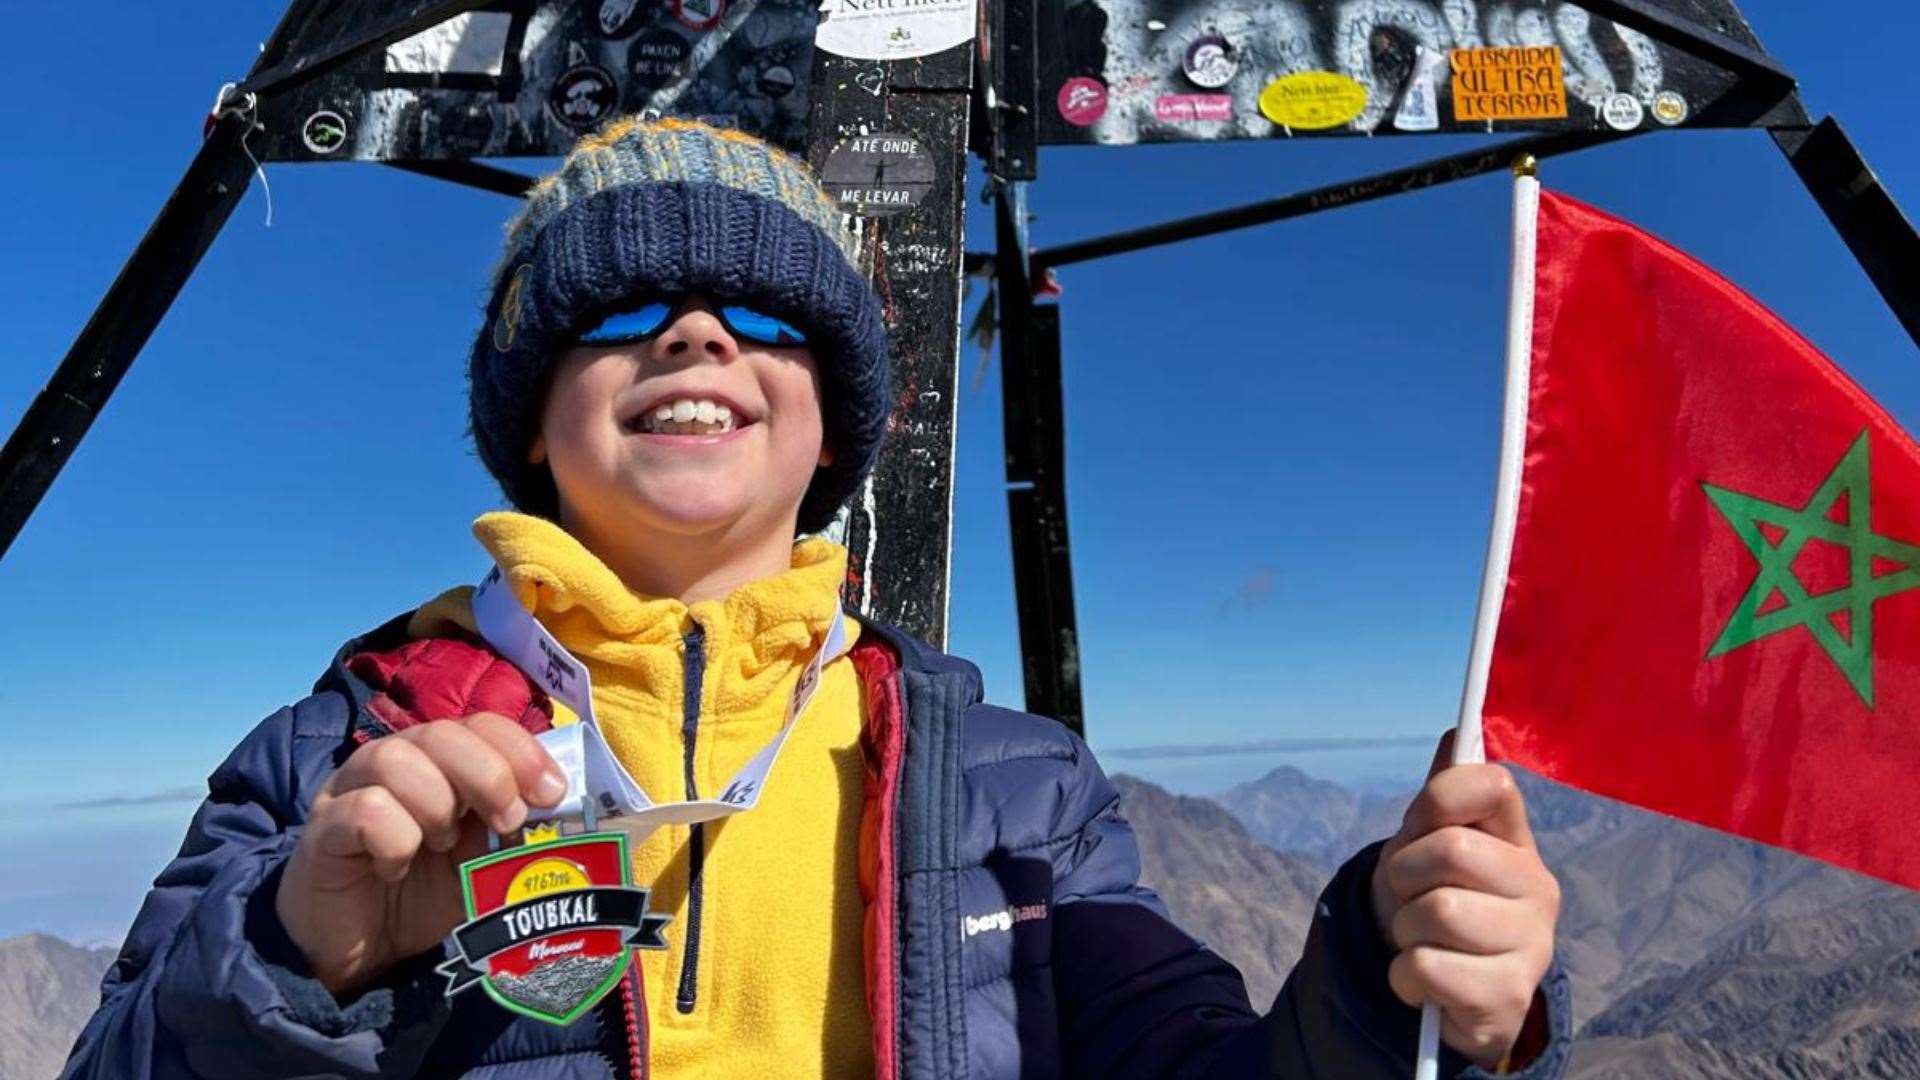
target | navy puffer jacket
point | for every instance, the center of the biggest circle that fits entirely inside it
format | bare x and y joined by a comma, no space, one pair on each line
971,811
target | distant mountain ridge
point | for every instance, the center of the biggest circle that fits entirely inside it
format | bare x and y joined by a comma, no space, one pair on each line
1693,954
48,989
1318,820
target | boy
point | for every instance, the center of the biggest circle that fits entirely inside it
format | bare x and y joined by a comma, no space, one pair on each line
681,371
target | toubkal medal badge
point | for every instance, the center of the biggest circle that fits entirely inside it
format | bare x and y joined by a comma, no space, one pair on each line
552,923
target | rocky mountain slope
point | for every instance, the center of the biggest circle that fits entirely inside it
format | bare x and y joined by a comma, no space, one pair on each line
48,988
1247,901
1693,954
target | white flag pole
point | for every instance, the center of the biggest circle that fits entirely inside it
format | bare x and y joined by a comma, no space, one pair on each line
1468,746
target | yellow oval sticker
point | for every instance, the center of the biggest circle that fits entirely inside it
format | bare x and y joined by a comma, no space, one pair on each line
1312,100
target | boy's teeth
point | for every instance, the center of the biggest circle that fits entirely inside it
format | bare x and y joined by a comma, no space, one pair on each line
688,416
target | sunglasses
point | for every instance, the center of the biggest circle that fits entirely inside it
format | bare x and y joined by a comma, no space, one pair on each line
647,320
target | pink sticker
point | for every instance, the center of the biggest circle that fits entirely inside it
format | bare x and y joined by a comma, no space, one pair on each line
1193,107
1082,100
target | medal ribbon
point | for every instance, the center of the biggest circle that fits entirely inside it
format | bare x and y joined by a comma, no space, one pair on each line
581,750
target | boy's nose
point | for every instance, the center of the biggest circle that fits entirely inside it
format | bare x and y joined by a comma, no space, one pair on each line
697,329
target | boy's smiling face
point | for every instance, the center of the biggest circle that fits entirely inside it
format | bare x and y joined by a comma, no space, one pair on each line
691,431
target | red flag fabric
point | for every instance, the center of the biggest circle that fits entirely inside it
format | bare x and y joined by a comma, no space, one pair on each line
1712,606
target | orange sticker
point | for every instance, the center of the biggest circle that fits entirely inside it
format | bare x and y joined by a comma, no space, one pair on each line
1526,83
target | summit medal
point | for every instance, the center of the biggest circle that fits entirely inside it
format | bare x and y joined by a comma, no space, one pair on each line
551,926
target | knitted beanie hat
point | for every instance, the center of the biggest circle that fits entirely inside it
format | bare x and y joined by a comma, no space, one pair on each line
652,208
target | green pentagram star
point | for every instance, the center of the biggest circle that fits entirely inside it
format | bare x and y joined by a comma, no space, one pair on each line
1848,480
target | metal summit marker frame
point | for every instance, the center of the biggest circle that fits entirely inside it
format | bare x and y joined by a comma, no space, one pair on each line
1559,76
886,104
432,87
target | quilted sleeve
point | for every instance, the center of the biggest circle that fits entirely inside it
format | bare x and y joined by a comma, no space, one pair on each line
206,985
1138,996
1141,998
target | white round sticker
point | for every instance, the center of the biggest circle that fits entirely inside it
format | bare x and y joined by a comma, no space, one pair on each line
1623,112
1210,61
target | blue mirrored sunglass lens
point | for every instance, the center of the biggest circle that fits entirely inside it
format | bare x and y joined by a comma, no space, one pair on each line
642,322
761,327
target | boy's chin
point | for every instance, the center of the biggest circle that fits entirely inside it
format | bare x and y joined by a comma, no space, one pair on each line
689,510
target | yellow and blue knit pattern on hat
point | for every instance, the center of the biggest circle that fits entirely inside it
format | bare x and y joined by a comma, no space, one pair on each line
645,209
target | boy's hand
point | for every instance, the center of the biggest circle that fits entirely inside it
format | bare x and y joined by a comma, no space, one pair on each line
1461,892
375,879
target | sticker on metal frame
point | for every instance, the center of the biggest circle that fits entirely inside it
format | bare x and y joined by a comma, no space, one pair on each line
583,95
863,30
325,132
1623,112
1082,101
1210,62
699,15
618,18
878,175
1670,108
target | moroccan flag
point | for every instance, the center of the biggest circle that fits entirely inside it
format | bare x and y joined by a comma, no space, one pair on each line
1711,602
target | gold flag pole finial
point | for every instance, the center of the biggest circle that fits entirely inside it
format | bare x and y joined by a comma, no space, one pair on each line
1526,165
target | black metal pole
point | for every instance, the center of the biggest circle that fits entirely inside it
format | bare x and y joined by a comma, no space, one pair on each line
1012,135
899,530
125,318
1033,407
167,255
472,174
1396,182
1862,212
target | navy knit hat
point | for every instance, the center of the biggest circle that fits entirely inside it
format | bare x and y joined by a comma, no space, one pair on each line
647,208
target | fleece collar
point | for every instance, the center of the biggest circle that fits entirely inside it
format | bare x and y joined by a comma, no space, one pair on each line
751,638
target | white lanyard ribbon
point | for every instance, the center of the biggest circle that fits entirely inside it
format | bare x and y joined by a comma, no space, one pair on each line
581,750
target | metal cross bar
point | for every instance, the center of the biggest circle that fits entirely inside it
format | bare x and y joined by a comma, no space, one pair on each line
295,70
471,173
134,304
1862,211
1663,25
1395,182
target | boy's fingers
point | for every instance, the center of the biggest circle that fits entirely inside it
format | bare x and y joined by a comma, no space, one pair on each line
369,822
1483,796
472,843
480,774
413,779
1466,921
1463,984
1463,857
540,780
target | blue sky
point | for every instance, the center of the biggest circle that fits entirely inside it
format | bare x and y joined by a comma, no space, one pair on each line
1280,445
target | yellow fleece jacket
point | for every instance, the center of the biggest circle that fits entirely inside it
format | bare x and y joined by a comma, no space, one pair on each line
779,985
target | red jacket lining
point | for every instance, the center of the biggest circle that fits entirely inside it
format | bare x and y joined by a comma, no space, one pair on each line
441,678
